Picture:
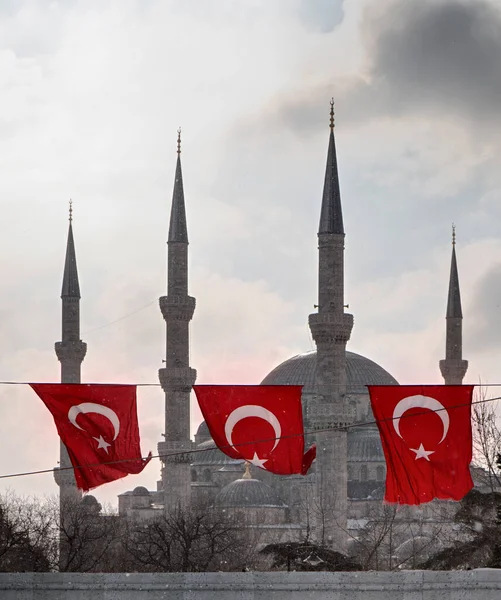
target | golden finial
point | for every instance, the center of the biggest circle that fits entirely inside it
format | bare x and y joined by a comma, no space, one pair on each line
453,234
179,141
332,115
71,211
247,474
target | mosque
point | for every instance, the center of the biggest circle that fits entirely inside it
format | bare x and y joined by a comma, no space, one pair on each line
348,476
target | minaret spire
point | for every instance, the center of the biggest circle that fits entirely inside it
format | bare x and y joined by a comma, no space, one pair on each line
71,286
70,351
331,215
331,329
178,230
453,368
177,378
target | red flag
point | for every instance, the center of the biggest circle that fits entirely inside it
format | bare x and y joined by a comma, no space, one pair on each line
97,424
262,424
426,435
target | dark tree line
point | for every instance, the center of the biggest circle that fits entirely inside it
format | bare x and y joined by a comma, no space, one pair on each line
95,540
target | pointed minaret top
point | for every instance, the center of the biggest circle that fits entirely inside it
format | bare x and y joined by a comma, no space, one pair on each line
71,287
178,231
454,299
331,216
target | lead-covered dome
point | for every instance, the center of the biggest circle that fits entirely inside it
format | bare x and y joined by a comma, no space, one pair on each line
248,493
300,370
209,454
364,445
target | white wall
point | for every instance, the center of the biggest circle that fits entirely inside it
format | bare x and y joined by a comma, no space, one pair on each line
481,584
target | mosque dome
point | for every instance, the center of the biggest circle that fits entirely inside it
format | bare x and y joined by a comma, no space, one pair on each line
203,430
90,504
140,491
364,445
89,500
248,493
209,454
300,370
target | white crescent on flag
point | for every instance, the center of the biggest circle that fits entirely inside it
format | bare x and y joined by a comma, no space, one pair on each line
91,407
251,410
421,402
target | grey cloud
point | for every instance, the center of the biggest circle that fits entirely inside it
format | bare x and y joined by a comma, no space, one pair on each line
483,316
421,56
446,52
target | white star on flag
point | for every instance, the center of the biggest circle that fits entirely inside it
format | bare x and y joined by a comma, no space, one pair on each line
101,443
422,453
258,462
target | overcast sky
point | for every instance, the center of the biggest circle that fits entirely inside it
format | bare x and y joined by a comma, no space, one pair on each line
92,93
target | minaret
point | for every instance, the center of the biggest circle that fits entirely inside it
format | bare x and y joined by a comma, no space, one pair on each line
177,378
453,368
70,352
331,329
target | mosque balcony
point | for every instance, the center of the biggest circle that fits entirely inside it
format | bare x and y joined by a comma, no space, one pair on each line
71,351
178,379
326,414
175,452
331,327
64,477
453,370
177,308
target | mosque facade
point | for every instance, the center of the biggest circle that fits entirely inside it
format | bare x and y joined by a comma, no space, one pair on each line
347,479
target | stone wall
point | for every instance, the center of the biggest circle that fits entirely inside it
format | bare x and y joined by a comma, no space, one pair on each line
481,584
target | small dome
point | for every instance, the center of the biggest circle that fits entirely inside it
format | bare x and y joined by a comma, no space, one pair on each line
140,491
89,500
248,493
364,445
209,454
203,430
300,370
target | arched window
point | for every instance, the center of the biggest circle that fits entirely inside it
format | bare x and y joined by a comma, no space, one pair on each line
380,473
207,475
364,475
194,475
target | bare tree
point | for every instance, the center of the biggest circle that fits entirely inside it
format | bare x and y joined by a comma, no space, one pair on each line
91,537
400,537
187,541
374,546
21,547
32,531
486,439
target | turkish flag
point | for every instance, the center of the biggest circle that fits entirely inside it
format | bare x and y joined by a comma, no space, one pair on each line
98,425
262,424
426,435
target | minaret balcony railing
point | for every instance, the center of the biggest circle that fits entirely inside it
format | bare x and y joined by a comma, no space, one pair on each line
177,308
331,327
177,379
321,414
71,351
453,370
175,451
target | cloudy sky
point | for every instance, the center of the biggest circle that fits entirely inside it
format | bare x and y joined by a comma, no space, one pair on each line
92,93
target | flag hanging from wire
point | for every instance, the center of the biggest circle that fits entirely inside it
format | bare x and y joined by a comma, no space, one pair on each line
98,425
427,441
